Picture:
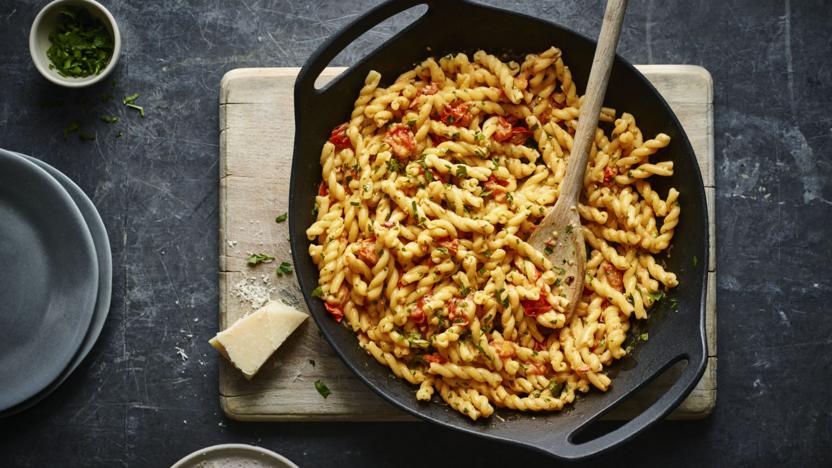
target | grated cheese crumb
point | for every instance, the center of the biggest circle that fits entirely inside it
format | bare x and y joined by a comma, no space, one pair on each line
256,294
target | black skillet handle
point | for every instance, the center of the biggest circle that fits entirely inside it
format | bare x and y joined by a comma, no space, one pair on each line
305,84
566,448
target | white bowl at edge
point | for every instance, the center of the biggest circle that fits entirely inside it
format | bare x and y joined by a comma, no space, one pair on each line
45,22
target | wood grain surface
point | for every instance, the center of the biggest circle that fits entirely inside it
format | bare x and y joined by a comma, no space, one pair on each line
256,137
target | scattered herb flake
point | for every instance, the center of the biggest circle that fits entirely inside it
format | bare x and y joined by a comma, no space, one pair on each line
73,127
694,260
461,171
465,291
322,388
656,296
555,388
257,258
644,336
281,218
318,292
285,268
108,118
138,108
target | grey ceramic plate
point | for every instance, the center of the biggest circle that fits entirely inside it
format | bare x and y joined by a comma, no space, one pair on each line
105,280
48,279
234,456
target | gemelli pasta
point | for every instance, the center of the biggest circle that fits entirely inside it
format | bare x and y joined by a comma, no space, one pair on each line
429,193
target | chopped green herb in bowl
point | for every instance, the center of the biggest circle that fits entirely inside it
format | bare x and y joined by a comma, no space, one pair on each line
74,43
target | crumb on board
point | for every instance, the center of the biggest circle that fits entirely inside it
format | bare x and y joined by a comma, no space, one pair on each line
181,353
255,293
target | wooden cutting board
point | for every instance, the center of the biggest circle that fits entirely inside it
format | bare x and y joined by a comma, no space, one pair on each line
256,137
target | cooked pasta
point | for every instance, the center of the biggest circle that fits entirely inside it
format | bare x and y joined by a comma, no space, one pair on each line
430,191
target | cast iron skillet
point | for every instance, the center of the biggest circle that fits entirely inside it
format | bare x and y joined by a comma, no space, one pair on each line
450,26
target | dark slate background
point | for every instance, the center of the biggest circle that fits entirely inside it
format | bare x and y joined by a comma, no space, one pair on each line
135,402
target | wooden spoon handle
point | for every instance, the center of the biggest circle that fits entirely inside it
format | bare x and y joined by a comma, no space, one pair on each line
593,98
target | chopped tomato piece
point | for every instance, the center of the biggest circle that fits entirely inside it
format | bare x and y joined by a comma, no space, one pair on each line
493,181
609,174
614,276
427,90
458,115
534,308
418,316
336,310
401,140
503,132
323,190
339,137
367,252
418,313
435,357
451,245
514,135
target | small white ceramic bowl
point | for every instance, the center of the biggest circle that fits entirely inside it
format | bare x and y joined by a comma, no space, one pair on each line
46,22
234,456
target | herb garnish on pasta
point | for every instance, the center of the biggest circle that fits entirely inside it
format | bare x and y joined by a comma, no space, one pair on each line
430,191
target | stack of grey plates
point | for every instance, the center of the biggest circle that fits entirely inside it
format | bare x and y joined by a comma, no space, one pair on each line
55,279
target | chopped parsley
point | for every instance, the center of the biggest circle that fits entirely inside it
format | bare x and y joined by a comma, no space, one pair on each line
548,250
656,296
318,292
281,218
285,268
81,44
393,165
257,258
130,101
322,389
555,388
428,173
644,336
568,229
461,171
465,291
108,118
73,127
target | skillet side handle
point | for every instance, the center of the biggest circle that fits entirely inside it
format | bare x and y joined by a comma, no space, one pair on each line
305,84
656,412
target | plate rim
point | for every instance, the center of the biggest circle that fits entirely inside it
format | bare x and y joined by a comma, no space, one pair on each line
87,246
101,243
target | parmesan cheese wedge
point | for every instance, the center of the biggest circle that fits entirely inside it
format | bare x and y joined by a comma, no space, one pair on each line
252,339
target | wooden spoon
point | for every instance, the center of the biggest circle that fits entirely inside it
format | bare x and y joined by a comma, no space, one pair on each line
559,234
